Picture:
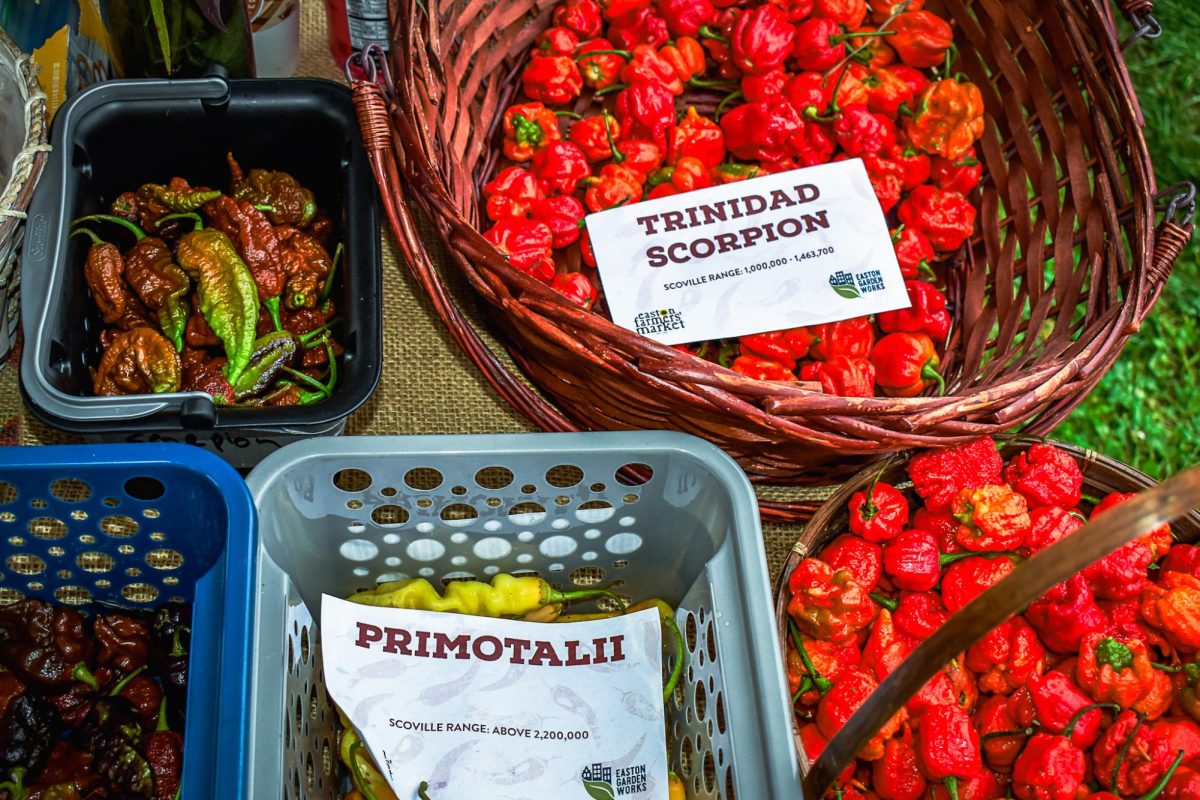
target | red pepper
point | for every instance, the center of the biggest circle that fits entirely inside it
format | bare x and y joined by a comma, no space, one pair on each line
850,13
813,742
552,79
912,561
576,287
898,776
782,346
887,180
881,10
939,475
527,244
1158,541
1172,606
991,518
811,145
1121,573
1047,476
615,185
641,26
886,92
733,173
1007,657
716,39
882,517
765,86
818,45
1183,785
826,604
528,127
762,39
1119,670
920,614
586,254
871,51
861,132
946,218
840,703
563,214
1048,524
913,253
1180,735
687,175
639,155
848,377
861,558
1183,558
581,16
916,165
948,119
956,176
985,786
1002,740
560,167
906,364
1125,622
1065,614
971,577
849,337
762,131
1130,758
511,193
603,69
685,56
927,314
942,525
806,90
612,9
556,41
921,39
886,647
685,17
847,88
647,66
697,137
796,10
595,136
1058,702
646,111
915,78
1049,768
762,369
953,686
829,661
948,745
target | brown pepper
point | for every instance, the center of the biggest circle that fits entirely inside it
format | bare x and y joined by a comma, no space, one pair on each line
198,333
139,361
292,204
306,263
304,320
124,641
206,376
322,230
161,285
254,238
317,356
105,276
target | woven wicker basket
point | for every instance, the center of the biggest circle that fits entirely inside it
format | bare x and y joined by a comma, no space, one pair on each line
1065,264
23,107
1101,475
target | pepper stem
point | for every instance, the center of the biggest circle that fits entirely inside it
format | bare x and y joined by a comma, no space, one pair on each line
421,791
617,155
823,684
885,601
1162,784
552,595
265,208
869,509
616,87
182,215
707,32
805,686
1004,734
272,306
16,787
84,675
1091,498
568,114
91,234
1116,770
726,100
845,37
951,786
703,83
327,289
625,54
161,725
357,772
925,270
677,669
116,690
137,232
1166,667
1078,715
315,333
929,372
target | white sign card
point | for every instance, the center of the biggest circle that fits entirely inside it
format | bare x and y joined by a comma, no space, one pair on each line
482,707
795,248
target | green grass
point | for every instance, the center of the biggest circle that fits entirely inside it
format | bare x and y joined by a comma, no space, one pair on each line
1146,410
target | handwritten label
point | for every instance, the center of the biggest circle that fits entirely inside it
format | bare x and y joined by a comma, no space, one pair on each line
473,705
796,248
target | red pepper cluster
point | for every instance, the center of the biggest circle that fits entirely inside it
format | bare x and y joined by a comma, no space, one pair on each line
806,82
1093,693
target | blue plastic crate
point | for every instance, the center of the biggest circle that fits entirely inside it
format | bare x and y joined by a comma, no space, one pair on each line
138,525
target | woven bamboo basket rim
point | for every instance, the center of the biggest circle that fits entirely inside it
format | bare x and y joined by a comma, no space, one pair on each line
27,165
1077,133
1101,475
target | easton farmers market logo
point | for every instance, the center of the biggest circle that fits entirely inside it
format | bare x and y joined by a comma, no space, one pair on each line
660,321
605,783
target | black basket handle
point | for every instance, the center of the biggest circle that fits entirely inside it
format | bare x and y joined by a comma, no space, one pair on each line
1027,582
1140,14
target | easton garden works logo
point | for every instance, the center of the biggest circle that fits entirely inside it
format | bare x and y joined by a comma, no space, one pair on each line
604,783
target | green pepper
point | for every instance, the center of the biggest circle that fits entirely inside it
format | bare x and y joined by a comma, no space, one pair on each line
228,295
187,200
272,353
323,390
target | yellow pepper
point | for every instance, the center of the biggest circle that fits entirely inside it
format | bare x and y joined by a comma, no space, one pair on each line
506,596
369,782
675,788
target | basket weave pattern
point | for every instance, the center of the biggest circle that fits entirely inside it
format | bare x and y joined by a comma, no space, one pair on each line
1065,263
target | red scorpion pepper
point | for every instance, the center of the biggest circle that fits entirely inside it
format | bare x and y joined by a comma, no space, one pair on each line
685,17
921,38
616,185
762,39
861,558
639,155
850,13
1183,784
1065,614
887,92
556,41
782,346
818,44
939,475
849,337
560,167
511,193
845,376
1158,541
1120,671
613,9
765,86
762,131
807,90
1049,768
595,136
1183,558
686,57
1059,703
576,287
603,69
829,663
552,79
880,518
1048,524
886,647
916,165
912,561
646,111
942,525
887,180
826,604
762,369
956,176
581,16
840,703
1007,657
527,244
563,214
914,77
1001,739
687,175
991,518
860,132
906,364
971,577
948,746
813,742
1130,759
871,53
696,137
898,776
1172,606
1047,476
647,66
948,119
642,26
528,127
946,218
927,314
920,614
913,253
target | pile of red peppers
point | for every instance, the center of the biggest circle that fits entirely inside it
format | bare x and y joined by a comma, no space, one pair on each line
1090,694
802,82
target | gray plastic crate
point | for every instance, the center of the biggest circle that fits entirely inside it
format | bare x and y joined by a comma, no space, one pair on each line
339,515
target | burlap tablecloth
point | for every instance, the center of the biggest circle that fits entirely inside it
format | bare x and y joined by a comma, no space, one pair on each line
428,386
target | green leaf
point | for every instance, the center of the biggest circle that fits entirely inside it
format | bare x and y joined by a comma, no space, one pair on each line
846,291
600,790
160,26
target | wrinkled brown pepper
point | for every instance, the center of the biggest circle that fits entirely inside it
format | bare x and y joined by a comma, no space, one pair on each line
198,333
206,376
140,361
292,204
41,643
254,238
306,263
124,641
105,275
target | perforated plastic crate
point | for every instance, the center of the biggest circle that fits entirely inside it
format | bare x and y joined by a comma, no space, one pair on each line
137,525
339,515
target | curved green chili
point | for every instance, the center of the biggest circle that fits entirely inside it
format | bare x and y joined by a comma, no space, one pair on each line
137,232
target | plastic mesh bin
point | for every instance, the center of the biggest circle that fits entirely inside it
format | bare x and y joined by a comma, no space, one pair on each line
137,525
340,515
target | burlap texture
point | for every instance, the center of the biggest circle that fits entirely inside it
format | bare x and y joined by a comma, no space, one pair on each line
427,387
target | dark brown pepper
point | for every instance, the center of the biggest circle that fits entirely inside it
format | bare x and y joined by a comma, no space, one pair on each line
254,239
139,361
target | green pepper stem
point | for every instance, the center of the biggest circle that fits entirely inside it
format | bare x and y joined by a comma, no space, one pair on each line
704,83
568,114
726,100
617,155
552,595
422,792
193,216
265,208
806,685
307,379
1078,715
137,232
951,786
845,37
707,32
327,289
1005,734
116,690
1166,667
869,509
16,787
1116,770
356,772
823,684
1162,784
1091,498
677,669
84,675
929,372
316,333
91,234
886,602
625,54
161,725
272,306
616,87
925,270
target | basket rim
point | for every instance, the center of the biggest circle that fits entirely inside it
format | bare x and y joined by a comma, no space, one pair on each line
18,191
